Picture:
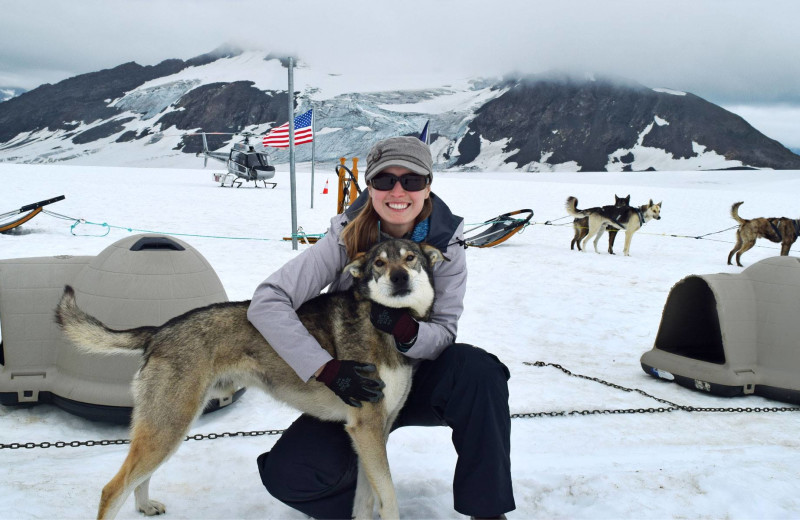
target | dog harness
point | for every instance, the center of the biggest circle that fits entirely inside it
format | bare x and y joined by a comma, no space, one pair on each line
641,216
776,230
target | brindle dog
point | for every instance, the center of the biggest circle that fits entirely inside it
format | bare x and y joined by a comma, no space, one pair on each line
775,229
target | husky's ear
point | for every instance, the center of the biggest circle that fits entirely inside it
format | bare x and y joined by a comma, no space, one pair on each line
651,202
354,267
433,254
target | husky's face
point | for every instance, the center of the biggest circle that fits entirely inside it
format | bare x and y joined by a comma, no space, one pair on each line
621,202
397,273
654,210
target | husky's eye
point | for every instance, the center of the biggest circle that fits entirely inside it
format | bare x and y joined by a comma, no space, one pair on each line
379,263
410,258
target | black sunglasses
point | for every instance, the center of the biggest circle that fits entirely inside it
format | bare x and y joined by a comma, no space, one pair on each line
409,182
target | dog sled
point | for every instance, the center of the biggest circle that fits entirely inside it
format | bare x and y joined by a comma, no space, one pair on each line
487,234
9,220
497,230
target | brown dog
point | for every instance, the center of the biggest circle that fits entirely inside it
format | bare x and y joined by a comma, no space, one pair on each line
774,229
581,225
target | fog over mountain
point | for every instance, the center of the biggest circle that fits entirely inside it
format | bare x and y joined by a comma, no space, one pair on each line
143,115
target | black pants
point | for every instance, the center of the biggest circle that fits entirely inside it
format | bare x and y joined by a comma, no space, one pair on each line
313,466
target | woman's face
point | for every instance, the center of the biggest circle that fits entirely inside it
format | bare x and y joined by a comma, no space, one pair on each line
397,207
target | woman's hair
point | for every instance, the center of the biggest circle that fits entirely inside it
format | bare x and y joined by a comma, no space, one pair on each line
362,233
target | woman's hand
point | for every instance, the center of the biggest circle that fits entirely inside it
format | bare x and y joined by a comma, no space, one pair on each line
397,322
351,382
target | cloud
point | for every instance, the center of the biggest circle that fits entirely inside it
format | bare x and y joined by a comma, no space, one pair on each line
734,51
780,122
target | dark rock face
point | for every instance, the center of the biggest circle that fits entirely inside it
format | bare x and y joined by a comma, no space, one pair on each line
84,98
224,107
101,131
586,121
543,121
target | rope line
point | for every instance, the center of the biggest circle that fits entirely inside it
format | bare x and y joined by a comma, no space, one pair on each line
672,235
76,222
108,227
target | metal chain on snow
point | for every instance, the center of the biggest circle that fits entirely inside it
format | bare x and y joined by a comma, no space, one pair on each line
671,407
76,444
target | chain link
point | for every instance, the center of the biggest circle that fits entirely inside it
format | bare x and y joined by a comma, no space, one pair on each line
76,444
670,407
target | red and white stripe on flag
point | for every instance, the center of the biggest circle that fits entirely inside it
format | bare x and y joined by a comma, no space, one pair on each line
278,137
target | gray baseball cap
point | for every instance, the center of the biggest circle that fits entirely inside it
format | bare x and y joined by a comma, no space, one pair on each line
408,152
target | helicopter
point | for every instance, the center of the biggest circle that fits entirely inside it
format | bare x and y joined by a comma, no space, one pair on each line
243,162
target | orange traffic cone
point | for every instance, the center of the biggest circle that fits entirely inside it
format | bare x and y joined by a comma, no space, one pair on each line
325,191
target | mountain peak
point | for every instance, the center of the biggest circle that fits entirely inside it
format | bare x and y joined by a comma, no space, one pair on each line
553,121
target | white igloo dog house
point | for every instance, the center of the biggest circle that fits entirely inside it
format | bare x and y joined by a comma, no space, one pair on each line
137,281
733,334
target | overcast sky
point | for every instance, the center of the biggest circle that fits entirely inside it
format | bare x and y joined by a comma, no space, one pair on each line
728,51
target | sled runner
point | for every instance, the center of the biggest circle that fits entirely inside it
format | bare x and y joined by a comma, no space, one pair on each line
6,222
499,229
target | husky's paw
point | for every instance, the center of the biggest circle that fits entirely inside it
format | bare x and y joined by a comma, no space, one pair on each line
152,508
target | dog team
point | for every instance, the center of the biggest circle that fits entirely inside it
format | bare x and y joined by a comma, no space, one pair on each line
593,222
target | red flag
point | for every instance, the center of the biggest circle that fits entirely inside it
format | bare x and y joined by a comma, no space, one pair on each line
279,137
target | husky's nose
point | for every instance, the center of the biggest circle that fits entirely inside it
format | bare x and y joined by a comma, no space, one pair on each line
399,277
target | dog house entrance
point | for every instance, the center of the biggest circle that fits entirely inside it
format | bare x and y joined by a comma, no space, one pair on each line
690,323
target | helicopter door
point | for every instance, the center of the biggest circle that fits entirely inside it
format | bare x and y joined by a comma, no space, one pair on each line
260,164
237,164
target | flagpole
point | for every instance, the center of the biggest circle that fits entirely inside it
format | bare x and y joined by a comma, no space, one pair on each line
313,143
292,178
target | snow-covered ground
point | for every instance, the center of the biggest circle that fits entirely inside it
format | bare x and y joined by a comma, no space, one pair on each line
529,299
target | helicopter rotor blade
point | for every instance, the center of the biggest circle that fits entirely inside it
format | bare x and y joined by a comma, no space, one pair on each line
211,133
205,151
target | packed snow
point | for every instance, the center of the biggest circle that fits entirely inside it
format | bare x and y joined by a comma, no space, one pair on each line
529,299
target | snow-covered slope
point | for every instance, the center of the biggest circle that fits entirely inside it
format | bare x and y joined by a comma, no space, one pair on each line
529,299
140,116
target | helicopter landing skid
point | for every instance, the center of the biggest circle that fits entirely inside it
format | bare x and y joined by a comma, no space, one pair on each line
238,183
233,181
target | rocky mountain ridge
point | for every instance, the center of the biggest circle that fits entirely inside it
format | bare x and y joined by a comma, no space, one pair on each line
143,115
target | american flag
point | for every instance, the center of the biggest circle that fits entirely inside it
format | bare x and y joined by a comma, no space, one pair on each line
279,137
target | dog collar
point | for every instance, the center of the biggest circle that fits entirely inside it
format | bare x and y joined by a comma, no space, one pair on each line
641,216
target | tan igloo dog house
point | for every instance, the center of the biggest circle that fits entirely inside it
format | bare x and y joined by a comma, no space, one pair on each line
139,280
733,334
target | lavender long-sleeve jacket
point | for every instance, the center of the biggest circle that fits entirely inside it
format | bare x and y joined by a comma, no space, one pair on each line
276,300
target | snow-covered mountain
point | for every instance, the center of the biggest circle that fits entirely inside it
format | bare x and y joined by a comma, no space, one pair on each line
7,93
135,115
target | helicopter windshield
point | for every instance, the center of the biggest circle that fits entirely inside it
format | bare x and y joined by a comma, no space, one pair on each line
257,159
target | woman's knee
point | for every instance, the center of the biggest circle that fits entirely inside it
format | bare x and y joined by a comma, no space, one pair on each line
474,363
307,463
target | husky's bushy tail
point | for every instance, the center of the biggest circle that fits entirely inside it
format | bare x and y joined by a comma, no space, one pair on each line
571,205
735,212
89,334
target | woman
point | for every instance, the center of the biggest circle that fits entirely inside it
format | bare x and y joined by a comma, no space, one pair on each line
313,467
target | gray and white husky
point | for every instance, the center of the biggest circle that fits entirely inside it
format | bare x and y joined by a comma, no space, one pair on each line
185,359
